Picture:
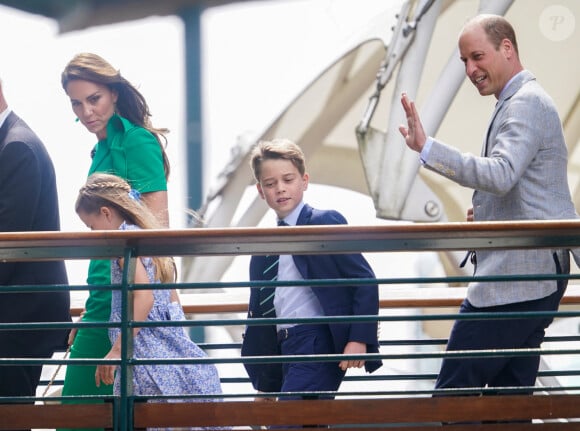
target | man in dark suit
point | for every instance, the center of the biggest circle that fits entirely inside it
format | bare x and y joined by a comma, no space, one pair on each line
279,168
28,202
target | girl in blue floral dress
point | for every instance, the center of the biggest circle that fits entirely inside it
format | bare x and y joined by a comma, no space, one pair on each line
107,202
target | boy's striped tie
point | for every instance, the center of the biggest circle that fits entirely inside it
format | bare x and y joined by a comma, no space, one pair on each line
267,292
270,273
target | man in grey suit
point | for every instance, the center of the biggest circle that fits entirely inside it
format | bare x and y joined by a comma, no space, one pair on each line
520,175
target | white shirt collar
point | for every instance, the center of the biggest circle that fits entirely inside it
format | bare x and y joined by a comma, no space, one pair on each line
292,218
4,115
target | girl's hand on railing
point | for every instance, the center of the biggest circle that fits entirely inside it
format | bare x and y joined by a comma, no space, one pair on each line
353,348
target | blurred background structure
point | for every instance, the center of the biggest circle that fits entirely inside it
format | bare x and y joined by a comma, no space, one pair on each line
344,112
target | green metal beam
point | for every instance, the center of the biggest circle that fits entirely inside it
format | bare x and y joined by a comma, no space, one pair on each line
191,17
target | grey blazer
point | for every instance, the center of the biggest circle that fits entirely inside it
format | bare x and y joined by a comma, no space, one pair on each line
520,175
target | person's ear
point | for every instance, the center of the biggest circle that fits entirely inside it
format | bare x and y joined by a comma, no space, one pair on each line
115,95
106,212
508,47
305,179
260,191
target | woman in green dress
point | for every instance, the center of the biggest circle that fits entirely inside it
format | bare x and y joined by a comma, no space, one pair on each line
130,147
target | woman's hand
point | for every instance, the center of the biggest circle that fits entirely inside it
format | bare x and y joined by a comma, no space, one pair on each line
106,373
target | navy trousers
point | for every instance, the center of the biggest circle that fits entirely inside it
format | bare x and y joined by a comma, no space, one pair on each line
498,334
309,376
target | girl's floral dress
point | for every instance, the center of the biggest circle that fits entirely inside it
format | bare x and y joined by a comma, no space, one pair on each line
163,342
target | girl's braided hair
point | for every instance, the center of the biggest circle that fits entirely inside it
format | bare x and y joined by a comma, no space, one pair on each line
107,190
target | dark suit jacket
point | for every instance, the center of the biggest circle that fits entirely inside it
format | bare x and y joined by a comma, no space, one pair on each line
336,301
29,202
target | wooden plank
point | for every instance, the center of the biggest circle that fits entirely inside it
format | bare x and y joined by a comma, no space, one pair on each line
26,416
359,411
427,297
407,414
405,297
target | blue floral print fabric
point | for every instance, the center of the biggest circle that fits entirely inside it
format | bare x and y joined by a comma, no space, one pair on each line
164,342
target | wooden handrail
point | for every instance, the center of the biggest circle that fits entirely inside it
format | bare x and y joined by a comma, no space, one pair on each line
210,303
291,240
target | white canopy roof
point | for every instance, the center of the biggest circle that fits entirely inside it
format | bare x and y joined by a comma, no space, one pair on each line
324,117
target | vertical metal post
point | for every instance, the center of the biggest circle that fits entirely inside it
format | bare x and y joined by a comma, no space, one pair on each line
126,370
191,17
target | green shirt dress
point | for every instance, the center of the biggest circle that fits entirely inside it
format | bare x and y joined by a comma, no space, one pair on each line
134,154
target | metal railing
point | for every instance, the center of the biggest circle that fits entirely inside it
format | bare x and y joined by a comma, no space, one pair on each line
309,240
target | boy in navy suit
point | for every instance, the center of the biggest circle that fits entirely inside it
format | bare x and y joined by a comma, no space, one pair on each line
280,172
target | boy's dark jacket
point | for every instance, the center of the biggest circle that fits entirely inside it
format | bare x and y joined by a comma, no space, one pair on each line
261,340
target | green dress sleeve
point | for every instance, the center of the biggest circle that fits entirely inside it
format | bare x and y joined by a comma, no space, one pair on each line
139,160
